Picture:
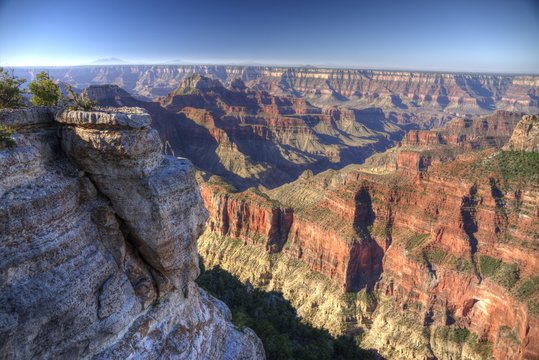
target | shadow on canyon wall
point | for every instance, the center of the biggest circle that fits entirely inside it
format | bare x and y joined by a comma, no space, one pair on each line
276,322
366,265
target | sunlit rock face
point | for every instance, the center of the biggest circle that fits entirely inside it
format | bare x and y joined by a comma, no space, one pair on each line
98,244
526,135
447,249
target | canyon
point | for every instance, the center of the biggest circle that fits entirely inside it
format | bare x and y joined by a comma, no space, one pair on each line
403,93
426,250
400,209
250,137
427,256
99,244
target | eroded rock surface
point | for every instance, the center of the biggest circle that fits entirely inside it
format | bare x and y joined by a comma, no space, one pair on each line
442,265
526,135
98,245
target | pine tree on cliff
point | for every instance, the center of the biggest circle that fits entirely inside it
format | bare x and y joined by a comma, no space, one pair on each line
79,102
10,92
44,91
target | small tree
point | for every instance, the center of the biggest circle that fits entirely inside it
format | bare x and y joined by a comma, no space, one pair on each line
10,92
5,136
79,102
44,91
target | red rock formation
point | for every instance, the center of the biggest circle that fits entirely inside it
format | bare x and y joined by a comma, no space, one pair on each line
248,217
421,148
426,236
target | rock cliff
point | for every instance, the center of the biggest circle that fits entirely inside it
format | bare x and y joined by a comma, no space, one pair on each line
402,91
252,137
438,266
99,244
419,149
526,135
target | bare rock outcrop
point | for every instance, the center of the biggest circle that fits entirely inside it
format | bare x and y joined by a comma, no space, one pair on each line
98,245
526,135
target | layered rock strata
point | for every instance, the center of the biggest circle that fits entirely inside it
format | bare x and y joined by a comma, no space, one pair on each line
438,266
402,91
419,149
252,137
98,245
526,135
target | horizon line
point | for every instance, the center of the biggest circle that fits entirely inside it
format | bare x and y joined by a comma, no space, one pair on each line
284,66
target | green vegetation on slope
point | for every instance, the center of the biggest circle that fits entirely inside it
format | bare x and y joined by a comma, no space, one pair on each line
79,102
415,240
488,265
511,166
5,136
504,274
276,322
528,291
463,337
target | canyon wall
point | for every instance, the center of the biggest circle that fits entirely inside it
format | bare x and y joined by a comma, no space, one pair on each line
98,246
443,265
401,91
525,136
251,137
419,149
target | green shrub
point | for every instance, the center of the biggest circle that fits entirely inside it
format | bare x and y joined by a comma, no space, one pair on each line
527,288
460,335
455,334
488,265
79,102
481,347
5,136
44,91
502,273
10,92
461,265
415,240
435,256
507,275
507,332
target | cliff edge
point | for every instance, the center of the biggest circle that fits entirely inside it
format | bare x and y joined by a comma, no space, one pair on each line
98,252
526,135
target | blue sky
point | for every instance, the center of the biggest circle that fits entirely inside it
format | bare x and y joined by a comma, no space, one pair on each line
482,35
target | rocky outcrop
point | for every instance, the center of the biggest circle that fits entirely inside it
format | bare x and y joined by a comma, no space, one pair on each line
526,135
98,245
419,149
253,218
249,217
109,95
468,133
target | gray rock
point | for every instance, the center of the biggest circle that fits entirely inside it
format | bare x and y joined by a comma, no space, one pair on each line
131,118
525,137
98,247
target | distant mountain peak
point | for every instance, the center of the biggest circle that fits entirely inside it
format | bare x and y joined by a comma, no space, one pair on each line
109,61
